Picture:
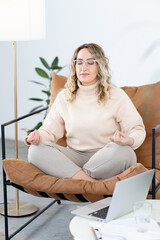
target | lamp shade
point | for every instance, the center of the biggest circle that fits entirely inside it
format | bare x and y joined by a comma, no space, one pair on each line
22,20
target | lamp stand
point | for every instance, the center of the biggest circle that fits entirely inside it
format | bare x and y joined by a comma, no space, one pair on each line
17,209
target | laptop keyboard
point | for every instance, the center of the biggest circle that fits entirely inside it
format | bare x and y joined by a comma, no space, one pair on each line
101,213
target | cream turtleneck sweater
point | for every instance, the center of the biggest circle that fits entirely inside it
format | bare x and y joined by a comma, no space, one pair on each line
89,125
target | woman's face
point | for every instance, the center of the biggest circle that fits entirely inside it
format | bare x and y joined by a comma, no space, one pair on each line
86,67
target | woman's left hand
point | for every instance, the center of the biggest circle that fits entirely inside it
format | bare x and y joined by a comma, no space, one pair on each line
121,139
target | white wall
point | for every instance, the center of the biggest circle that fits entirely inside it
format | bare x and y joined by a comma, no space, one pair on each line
124,28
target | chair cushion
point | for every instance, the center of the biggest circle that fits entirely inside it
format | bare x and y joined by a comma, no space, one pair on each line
32,180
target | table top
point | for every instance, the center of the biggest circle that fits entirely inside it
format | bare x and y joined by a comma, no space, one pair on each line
79,223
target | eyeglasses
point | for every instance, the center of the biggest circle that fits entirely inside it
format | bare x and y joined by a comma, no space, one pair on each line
89,62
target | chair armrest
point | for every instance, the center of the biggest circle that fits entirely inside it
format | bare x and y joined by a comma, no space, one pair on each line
23,117
154,156
154,145
11,122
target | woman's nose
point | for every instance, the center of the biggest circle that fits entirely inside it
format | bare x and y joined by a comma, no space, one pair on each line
84,65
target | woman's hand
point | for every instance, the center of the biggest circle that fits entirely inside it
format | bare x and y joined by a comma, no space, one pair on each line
34,137
121,139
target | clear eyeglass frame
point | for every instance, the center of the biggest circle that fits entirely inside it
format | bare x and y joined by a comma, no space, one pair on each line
80,62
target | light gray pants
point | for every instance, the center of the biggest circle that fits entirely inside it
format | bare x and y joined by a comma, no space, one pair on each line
63,162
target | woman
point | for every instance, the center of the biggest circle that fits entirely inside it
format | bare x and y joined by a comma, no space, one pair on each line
102,125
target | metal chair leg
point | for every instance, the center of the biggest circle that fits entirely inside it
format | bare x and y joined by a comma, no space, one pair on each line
5,206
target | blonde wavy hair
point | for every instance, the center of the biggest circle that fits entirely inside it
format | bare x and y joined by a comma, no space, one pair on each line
103,76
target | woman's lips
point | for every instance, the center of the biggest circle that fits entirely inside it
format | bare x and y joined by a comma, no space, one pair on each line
84,74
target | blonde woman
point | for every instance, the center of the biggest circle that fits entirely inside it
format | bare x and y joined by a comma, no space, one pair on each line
103,128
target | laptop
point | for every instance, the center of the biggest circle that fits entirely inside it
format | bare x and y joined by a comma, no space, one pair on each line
126,193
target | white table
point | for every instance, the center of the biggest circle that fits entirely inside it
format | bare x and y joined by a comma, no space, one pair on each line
81,230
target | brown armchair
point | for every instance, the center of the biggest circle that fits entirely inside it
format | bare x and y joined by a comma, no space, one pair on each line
30,179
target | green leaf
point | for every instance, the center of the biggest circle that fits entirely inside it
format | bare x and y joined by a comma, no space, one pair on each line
42,73
37,83
36,108
55,62
47,101
38,125
36,99
45,64
59,69
46,92
56,67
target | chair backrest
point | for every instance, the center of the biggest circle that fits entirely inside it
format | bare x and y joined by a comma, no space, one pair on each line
146,99
57,83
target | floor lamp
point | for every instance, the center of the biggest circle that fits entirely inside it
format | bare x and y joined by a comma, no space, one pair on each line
20,20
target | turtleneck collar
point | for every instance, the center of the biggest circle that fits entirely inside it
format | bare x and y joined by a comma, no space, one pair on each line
87,90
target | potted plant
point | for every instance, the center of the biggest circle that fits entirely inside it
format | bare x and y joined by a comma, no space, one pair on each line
46,90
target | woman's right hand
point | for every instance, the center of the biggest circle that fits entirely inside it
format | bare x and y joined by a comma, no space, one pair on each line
34,137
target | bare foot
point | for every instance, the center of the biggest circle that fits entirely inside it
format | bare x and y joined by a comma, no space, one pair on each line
83,176
102,180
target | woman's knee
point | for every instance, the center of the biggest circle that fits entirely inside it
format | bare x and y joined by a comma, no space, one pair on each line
131,157
34,153
123,156
110,161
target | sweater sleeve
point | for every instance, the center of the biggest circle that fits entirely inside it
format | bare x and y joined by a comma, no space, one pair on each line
130,121
53,127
